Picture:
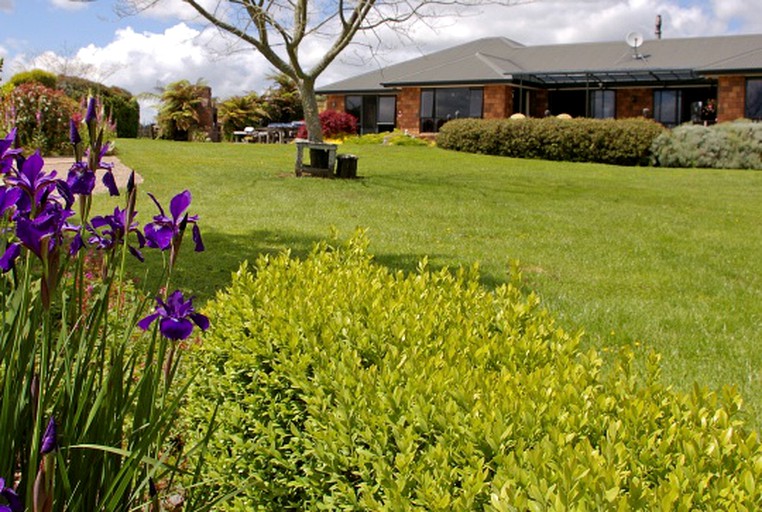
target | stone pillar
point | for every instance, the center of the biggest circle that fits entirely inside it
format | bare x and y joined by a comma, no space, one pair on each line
498,101
409,109
334,102
731,98
631,102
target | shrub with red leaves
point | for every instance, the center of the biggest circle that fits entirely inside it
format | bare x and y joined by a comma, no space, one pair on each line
335,125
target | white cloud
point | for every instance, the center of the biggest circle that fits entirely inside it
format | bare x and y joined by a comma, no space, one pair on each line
168,9
70,5
6,5
145,62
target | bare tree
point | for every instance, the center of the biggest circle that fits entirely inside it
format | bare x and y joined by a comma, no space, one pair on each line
283,30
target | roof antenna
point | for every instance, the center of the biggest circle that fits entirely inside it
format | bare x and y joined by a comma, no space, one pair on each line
658,26
635,39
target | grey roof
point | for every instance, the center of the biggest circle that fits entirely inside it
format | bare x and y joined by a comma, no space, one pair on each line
502,60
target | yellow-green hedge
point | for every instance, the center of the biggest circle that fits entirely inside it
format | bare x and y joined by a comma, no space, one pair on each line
343,385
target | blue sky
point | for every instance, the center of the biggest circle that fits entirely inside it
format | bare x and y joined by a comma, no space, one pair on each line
167,43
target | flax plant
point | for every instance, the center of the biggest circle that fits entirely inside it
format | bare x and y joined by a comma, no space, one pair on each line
88,399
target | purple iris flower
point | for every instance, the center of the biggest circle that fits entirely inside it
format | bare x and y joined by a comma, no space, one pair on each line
37,184
8,198
74,136
81,179
50,438
7,153
113,230
91,115
165,232
95,161
176,317
9,257
43,233
12,499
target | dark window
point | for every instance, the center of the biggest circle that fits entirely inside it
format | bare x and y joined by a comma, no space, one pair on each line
427,103
374,113
387,110
603,104
353,105
667,106
441,105
754,98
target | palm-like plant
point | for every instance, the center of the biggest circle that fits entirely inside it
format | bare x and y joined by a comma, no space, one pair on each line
238,112
178,114
282,101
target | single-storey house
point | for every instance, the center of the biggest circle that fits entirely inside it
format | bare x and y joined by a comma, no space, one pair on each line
671,80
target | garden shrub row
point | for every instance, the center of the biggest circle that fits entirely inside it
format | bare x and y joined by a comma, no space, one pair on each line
619,142
736,145
339,384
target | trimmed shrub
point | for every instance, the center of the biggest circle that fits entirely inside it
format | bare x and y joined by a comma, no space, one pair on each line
41,116
336,125
339,384
38,76
619,142
736,145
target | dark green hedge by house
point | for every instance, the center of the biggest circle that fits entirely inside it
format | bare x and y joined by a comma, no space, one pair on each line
619,142
119,103
343,385
736,145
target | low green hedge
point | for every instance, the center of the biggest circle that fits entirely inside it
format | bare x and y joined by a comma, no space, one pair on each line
736,145
619,142
342,385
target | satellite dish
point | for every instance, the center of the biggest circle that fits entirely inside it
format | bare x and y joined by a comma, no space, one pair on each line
634,39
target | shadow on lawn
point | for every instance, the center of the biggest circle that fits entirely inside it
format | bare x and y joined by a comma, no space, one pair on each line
203,274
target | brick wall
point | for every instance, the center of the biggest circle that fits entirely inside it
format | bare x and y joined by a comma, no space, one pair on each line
334,102
539,103
731,98
408,109
498,101
631,102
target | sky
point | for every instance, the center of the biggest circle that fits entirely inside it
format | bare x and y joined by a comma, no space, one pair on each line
144,52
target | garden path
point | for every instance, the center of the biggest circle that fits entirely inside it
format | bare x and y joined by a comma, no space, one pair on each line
121,171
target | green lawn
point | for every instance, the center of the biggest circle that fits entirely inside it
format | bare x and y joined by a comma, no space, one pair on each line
658,258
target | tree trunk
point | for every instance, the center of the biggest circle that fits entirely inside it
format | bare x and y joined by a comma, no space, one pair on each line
309,105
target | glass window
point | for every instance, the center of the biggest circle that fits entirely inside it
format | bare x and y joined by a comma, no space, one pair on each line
353,105
387,109
754,98
667,106
603,104
440,105
427,103
477,101
452,103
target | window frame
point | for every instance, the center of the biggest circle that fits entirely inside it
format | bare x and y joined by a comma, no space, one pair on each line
659,114
603,104
433,107
755,115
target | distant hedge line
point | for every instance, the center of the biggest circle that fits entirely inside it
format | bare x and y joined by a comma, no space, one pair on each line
736,145
339,384
619,142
